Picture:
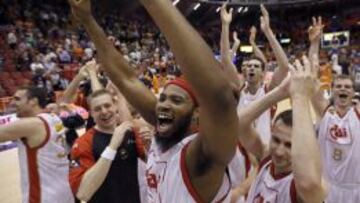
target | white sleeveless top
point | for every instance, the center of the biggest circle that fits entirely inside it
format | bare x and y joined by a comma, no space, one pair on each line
270,188
339,140
45,169
263,123
168,179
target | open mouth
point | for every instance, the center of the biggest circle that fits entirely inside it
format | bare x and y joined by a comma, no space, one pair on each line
251,74
165,122
343,96
106,119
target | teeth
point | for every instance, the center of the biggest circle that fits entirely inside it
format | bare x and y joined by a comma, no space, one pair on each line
164,116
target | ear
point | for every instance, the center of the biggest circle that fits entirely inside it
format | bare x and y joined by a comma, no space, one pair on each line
195,116
33,102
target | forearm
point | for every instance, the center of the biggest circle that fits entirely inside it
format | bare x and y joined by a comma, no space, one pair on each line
121,73
70,92
306,164
248,114
192,53
314,49
319,103
280,55
93,179
226,57
258,52
95,83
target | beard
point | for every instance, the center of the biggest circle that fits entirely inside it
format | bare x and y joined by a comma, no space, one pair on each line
181,131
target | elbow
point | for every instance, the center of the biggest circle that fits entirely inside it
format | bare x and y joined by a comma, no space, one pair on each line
82,195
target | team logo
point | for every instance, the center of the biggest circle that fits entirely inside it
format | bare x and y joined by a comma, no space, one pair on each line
339,134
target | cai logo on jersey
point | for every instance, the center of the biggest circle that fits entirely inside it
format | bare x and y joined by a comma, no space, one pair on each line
271,197
339,134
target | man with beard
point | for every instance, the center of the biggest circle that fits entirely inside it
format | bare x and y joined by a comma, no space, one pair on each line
42,152
193,166
254,70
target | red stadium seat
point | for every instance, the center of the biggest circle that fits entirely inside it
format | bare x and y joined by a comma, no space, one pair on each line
27,75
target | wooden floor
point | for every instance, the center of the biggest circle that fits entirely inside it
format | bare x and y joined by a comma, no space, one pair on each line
10,175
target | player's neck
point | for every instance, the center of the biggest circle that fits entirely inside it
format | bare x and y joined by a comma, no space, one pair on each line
253,87
35,111
342,109
104,129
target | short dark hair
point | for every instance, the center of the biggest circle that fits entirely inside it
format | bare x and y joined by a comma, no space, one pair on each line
253,57
342,77
98,93
285,117
33,92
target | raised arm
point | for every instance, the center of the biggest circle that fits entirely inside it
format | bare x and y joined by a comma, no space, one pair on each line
208,155
306,164
252,41
318,101
280,55
236,44
124,111
248,114
70,92
91,68
118,69
31,129
226,53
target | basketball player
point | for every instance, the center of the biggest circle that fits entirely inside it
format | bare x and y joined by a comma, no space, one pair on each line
105,159
254,88
292,172
194,166
43,159
339,144
338,133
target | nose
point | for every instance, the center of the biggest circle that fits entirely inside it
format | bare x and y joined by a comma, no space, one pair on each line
164,105
104,110
280,150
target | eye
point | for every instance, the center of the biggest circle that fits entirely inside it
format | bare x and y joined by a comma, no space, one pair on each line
288,145
177,100
276,140
162,98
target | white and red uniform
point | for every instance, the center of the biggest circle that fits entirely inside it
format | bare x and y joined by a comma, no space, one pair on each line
45,169
263,122
168,179
339,139
271,188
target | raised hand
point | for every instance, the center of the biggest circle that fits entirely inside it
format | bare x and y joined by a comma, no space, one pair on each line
303,82
119,134
252,35
315,30
92,66
226,16
264,19
236,38
81,9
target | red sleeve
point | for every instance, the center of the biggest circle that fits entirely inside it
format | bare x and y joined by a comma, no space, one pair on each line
81,159
140,148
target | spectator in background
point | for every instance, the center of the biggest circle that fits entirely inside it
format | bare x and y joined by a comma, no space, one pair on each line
12,39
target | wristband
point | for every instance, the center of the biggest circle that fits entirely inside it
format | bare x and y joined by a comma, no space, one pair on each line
108,154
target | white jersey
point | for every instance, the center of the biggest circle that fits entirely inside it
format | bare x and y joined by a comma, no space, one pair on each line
168,179
270,188
339,139
45,169
263,123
